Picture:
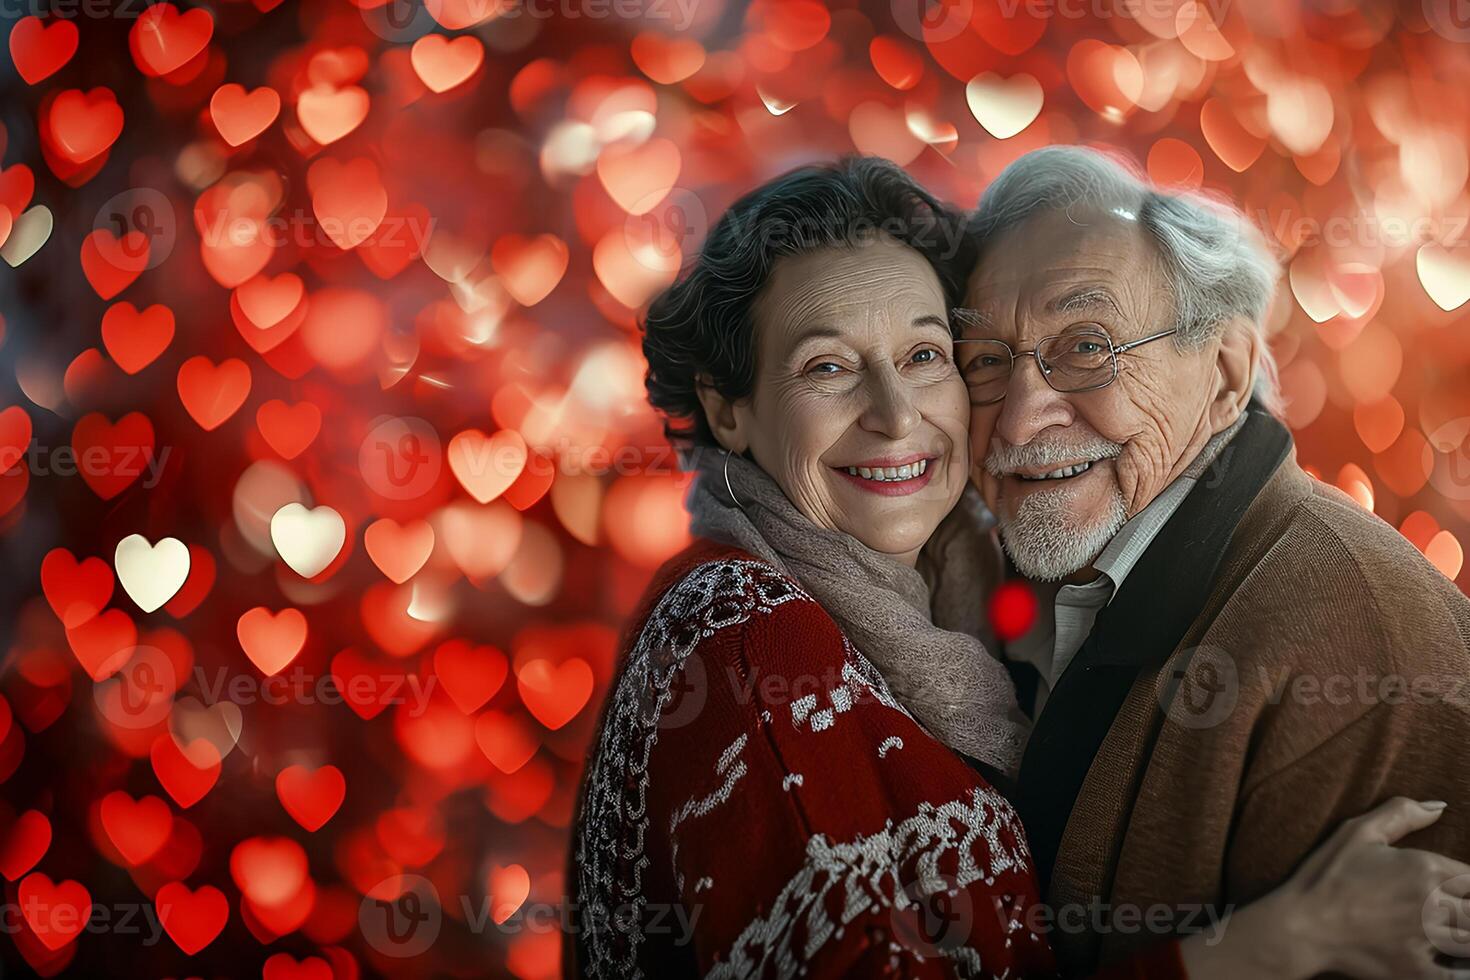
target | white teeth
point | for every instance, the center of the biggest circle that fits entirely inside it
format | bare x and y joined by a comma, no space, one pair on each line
886,474
1062,473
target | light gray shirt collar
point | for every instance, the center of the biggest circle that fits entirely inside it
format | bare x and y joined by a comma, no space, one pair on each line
1068,611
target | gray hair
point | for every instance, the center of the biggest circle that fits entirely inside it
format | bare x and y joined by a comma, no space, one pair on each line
1216,262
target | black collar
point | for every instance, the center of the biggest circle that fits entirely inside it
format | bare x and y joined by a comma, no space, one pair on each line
1140,629
1169,586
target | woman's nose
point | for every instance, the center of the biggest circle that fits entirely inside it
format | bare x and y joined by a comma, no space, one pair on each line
891,410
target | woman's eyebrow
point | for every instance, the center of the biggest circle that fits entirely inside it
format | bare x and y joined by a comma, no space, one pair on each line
817,331
812,334
931,320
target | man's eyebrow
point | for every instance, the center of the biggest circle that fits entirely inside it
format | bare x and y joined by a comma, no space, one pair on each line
1085,298
970,319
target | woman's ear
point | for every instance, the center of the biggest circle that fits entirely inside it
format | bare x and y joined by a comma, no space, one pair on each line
724,420
1235,371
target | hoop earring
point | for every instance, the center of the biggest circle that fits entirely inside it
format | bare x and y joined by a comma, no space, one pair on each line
729,489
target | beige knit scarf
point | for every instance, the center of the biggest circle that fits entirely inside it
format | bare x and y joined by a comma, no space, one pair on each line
923,631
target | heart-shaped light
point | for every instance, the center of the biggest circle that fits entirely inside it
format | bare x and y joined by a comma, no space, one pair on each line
486,465
1310,287
328,114
633,265
269,870
1004,106
104,643
271,640
77,591
187,776
125,448
192,919
56,912
28,233
151,574
241,116
110,263
443,63
163,40
24,843
85,125
207,732
1107,78
665,59
289,429
311,796
638,177
137,828
266,301
213,392
136,339
1445,274
880,130
308,540
1301,113
508,741
470,674
530,268
41,48
481,540
348,199
1236,146
508,888
399,550
555,693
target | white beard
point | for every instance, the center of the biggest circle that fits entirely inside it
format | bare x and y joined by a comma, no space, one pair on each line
1045,541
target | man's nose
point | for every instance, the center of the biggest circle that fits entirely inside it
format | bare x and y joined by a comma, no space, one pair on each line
891,410
1030,405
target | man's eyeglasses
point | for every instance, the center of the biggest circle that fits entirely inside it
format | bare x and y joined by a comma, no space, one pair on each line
1079,360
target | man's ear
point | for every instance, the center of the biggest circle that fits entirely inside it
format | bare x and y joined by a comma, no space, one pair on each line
1235,372
724,421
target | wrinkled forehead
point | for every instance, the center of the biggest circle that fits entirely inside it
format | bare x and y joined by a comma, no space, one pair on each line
1053,252
854,288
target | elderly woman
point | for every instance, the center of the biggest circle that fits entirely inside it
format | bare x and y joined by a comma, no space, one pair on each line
797,767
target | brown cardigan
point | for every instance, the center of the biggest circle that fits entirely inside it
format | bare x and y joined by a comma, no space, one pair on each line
1214,799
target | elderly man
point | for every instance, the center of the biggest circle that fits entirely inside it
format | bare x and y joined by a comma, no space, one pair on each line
1230,657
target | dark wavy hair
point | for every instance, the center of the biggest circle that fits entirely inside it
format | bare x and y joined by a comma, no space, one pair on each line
703,325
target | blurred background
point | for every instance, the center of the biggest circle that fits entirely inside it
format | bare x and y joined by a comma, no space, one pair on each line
328,475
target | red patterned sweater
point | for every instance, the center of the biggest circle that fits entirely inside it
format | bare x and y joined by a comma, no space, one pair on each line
758,805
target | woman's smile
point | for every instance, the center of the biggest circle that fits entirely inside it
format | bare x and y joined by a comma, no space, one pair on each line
891,476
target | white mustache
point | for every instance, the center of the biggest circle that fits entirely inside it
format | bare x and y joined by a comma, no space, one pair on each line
1051,453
